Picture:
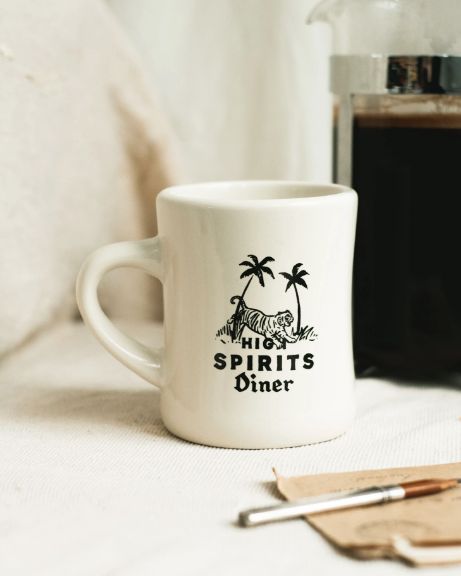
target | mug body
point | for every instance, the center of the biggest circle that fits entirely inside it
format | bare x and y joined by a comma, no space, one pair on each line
257,295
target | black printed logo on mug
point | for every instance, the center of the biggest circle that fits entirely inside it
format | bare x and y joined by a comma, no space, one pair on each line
251,329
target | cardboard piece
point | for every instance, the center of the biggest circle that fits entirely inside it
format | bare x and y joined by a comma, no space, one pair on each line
382,530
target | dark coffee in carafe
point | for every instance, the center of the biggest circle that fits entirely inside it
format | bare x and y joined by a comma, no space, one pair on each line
395,74
406,168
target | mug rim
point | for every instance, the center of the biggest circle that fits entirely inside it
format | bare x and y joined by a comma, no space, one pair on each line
257,193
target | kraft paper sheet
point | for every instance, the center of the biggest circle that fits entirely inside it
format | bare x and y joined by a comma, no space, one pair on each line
422,531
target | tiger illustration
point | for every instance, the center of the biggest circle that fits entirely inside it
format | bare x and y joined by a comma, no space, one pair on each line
271,327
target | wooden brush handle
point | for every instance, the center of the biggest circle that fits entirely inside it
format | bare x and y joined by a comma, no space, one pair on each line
427,487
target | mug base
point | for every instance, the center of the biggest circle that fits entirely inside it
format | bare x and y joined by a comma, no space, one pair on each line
255,446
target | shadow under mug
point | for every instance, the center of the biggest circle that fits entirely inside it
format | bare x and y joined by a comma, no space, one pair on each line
257,305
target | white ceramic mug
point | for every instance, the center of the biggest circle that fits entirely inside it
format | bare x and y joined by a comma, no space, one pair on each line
257,300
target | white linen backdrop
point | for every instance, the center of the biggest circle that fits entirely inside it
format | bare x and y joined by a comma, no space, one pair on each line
84,148
244,84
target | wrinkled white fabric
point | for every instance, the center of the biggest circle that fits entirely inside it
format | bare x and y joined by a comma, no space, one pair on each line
91,483
83,151
244,84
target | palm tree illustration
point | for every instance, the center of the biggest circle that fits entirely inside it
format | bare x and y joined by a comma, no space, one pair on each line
257,269
296,279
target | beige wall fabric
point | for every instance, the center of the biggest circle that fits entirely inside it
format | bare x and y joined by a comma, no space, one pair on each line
83,151
244,82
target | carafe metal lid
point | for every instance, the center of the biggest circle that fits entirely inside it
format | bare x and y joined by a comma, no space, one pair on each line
396,74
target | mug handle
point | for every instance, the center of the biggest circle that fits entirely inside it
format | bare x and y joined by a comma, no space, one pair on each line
144,254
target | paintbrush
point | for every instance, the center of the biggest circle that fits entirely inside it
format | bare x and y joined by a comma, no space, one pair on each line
344,500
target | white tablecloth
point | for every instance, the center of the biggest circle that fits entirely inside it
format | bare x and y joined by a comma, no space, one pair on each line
92,484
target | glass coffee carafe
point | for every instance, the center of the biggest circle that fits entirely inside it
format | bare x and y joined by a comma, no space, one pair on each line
396,78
